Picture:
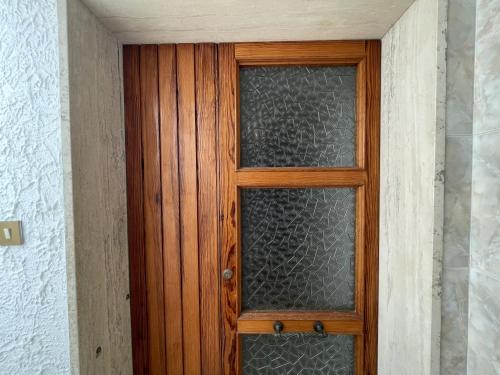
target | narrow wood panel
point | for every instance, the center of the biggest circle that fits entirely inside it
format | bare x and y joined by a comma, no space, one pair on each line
188,207
347,327
361,114
137,259
300,178
152,207
206,121
228,205
170,208
372,204
359,269
299,315
300,52
359,350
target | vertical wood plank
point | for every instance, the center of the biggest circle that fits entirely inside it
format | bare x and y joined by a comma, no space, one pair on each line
360,271
359,349
373,53
133,141
206,119
361,114
170,208
152,207
188,207
228,204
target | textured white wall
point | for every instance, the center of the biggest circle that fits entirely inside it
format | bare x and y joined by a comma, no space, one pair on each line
411,185
64,294
33,303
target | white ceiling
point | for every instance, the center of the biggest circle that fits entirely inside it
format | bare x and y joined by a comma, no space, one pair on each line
164,21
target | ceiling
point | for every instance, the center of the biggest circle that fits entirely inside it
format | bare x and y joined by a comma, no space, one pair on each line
175,21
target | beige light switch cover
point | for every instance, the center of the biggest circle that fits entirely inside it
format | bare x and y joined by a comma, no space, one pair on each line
10,233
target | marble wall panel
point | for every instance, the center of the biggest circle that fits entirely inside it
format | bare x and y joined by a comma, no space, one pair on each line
484,291
458,169
98,195
412,163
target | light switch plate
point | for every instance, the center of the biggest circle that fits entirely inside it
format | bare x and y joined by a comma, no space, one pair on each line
10,233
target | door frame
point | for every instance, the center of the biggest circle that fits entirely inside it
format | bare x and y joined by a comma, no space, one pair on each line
171,121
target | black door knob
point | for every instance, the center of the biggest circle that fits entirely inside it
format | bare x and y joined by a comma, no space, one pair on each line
320,328
278,327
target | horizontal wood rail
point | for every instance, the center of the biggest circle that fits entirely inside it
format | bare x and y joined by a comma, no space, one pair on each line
348,327
299,315
295,177
300,321
303,53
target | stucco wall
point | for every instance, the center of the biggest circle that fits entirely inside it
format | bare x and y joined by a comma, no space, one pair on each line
411,209
64,304
484,290
33,297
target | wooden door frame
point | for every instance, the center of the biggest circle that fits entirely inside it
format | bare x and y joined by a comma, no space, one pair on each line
173,109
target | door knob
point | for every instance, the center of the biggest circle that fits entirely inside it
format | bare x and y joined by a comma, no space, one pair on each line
278,328
320,328
227,274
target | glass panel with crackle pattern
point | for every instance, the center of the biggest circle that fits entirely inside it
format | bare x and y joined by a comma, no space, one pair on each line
298,354
298,116
298,249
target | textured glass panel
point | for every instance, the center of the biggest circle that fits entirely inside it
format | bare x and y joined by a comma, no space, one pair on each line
297,116
297,354
298,248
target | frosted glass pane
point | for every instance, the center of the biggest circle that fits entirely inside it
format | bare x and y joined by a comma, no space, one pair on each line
298,248
298,116
297,354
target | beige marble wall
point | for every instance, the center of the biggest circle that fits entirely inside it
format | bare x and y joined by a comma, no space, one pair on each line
95,193
412,163
458,169
484,291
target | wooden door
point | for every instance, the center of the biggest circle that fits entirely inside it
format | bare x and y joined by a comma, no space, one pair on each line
210,164
299,200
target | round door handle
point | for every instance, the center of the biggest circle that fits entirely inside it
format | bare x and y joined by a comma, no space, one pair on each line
320,328
227,274
278,327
